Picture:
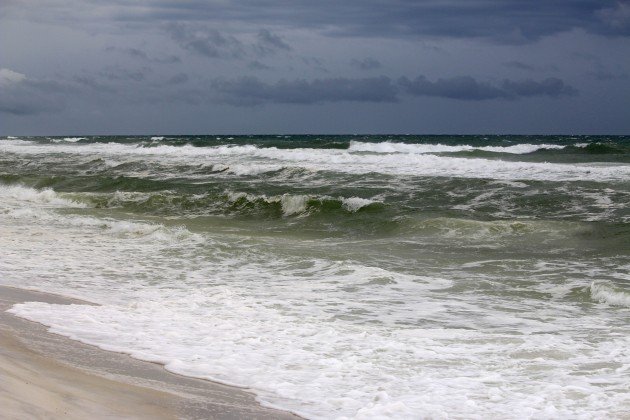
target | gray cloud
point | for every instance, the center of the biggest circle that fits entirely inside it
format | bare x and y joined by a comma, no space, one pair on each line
269,43
519,65
257,65
211,43
469,89
315,63
93,84
604,75
199,50
464,87
118,73
252,91
22,96
504,20
368,63
205,41
514,21
177,79
551,86
24,101
616,16
141,55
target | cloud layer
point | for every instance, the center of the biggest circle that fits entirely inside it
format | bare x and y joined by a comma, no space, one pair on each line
394,65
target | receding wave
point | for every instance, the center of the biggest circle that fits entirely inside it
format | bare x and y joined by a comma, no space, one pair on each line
472,231
130,229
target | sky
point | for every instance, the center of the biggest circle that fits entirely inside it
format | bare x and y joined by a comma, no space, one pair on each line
302,66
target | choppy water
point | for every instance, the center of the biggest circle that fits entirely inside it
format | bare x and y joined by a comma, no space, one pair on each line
340,276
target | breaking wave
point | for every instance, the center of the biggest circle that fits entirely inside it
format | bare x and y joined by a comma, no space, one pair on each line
44,197
606,293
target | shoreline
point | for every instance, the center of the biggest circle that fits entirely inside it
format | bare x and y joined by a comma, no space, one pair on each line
48,375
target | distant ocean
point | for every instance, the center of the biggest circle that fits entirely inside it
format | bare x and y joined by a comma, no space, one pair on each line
339,276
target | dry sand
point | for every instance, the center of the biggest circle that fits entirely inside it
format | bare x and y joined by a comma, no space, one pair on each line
43,375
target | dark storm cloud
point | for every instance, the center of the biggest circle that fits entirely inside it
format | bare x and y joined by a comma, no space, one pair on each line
505,20
468,89
252,91
368,63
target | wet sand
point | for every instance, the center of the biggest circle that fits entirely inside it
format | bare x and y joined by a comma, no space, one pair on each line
43,375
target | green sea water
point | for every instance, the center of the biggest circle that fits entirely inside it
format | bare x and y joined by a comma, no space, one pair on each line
356,275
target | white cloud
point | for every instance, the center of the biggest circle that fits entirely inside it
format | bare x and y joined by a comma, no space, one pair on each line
9,77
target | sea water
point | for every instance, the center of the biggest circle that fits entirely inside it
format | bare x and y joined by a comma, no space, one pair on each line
339,276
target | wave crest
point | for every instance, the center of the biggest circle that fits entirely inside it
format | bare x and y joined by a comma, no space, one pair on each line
299,204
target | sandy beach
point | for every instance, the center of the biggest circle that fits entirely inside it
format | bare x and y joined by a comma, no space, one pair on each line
44,375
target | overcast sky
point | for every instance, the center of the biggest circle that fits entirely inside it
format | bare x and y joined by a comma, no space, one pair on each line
304,66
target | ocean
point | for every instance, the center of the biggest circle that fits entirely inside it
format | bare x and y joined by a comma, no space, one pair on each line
339,276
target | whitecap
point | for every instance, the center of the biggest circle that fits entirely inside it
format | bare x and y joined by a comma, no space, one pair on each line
354,204
392,147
